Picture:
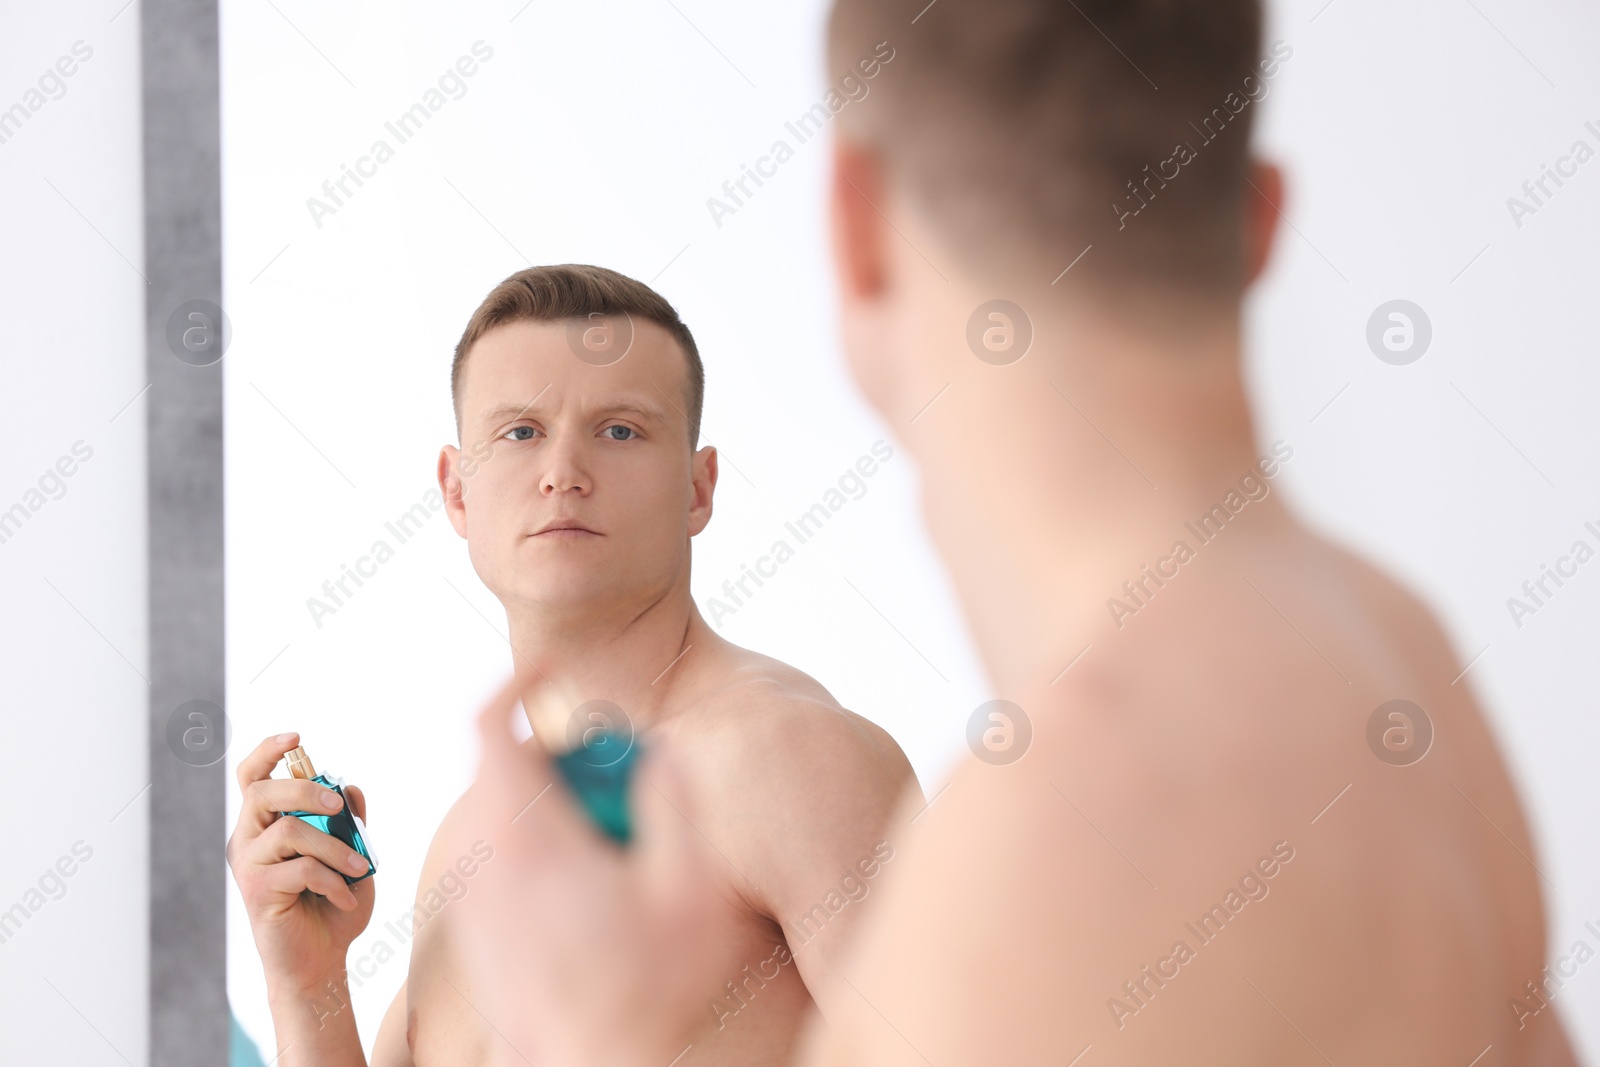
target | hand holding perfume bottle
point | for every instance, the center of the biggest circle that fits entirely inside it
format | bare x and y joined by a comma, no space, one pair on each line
306,885
609,966
343,824
593,746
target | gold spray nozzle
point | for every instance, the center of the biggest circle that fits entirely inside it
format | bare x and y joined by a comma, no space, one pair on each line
300,763
549,715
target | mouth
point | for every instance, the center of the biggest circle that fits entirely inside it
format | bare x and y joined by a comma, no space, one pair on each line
565,529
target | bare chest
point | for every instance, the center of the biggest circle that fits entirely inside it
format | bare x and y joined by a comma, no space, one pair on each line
754,1015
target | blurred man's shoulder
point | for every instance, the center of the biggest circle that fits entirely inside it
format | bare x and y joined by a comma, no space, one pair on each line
1310,698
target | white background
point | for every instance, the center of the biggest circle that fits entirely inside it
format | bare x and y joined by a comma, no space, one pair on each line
74,635
596,134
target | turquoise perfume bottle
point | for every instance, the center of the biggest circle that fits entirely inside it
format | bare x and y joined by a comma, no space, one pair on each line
599,771
592,744
344,824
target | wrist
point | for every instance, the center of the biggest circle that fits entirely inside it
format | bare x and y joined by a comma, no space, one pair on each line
314,1026
297,973
309,994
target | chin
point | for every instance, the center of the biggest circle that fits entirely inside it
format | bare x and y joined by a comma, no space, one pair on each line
562,592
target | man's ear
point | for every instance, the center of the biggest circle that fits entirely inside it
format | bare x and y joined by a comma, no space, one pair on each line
1262,207
858,229
450,488
703,473
861,256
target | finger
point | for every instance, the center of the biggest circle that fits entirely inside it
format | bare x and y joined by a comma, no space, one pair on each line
494,720
518,781
294,877
358,801
290,838
508,768
266,798
259,763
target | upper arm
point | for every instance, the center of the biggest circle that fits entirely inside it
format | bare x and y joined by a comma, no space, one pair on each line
810,791
391,1048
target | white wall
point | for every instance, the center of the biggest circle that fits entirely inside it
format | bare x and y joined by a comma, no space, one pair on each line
73,635
596,133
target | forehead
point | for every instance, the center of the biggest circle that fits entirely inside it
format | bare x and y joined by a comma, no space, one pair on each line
515,361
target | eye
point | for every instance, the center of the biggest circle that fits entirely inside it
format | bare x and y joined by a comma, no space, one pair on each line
518,429
628,433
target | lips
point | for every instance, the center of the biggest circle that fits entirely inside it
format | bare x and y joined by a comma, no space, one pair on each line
565,528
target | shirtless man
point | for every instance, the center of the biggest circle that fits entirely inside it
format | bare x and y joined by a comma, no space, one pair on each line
582,392
1207,836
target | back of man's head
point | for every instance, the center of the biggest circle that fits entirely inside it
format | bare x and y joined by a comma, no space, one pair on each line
1028,130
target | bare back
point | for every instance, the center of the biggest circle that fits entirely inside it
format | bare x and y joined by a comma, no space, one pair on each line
1225,861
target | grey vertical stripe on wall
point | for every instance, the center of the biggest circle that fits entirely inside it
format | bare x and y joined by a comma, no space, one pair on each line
183,261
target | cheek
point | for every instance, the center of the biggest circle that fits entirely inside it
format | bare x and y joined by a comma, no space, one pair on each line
643,484
485,504
649,510
654,511
864,337
484,555
495,514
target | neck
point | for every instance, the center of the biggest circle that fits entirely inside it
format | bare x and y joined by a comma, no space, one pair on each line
1050,482
630,654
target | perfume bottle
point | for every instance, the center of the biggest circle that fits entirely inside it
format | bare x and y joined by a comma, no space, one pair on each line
593,746
599,771
344,824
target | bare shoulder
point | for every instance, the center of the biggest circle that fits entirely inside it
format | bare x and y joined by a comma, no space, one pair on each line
794,788
1405,617
771,723
1401,644
451,858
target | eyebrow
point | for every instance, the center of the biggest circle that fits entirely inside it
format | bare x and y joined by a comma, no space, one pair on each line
647,412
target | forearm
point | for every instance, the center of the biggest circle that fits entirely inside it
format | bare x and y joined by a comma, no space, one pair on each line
315,1026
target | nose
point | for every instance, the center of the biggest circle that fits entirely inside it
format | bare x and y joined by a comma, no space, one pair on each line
564,469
